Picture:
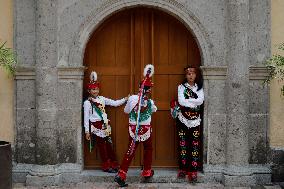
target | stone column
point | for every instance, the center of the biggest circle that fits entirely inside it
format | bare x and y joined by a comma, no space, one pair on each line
237,86
237,82
46,81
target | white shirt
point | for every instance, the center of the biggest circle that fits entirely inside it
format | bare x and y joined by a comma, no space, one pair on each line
132,102
93,117
191,102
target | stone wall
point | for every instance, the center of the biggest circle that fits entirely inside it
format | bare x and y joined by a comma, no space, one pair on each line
6,80
26,113
276,130
233,37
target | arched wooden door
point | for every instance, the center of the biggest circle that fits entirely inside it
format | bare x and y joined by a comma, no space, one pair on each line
118,51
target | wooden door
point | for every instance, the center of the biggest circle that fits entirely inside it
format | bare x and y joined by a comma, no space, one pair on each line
118,51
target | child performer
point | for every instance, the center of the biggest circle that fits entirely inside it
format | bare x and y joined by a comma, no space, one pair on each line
140,108
96,122
190,97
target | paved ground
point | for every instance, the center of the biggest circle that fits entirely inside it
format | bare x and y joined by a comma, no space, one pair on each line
97,179
105,185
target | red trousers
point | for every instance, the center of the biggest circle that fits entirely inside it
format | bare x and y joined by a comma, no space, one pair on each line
129,156
107,154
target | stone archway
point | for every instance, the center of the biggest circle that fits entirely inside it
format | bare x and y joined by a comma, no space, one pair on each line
181,13
50,39
118,50
172,7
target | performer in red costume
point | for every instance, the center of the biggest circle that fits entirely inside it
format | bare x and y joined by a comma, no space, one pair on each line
140,108
96,122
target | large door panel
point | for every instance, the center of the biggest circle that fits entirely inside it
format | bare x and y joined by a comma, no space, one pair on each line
118,51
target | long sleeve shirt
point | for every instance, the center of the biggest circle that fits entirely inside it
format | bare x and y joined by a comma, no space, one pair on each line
92,115
130,105
191,102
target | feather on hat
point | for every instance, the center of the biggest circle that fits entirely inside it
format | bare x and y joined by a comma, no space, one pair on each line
93,81
148,73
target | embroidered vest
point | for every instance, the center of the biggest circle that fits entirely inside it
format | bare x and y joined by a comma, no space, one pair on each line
105,129
144,115
187,112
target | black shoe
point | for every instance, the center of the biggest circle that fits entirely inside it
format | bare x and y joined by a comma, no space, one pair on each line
181,175
115,169
119,181
111,170
193,180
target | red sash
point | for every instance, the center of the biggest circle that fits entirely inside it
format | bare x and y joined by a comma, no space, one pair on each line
97,124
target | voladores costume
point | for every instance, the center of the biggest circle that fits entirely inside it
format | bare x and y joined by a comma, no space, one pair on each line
96,122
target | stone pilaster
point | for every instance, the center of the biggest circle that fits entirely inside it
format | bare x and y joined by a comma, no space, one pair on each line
46,81
24,44
237,82
237,86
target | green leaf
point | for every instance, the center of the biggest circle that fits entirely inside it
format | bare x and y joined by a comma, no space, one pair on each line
8,59
275,65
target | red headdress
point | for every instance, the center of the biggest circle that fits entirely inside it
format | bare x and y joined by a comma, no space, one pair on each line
148,72
93,81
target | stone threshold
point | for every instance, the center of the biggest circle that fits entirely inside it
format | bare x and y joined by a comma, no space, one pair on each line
46,175
162,175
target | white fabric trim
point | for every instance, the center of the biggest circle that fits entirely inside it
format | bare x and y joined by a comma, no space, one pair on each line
140,138
99,132
187,122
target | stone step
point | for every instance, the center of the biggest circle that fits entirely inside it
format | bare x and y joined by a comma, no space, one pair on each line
133,176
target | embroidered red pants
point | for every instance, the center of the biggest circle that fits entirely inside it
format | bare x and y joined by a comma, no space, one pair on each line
107,154
105,149
129,156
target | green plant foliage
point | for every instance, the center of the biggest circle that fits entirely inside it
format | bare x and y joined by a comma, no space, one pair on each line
275,66
8,59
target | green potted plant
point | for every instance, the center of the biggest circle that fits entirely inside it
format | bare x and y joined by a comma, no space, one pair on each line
275,65
8,59
8,62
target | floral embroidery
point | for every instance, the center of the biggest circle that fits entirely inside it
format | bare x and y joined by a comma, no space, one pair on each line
195,143
188,93
183,152
187,122
182,143
140,137
194,153
194,164
195,134
144,115
189,148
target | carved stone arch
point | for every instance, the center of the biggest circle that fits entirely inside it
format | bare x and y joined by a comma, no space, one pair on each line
180,12
171,7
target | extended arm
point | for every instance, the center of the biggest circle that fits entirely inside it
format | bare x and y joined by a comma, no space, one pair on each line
115,103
